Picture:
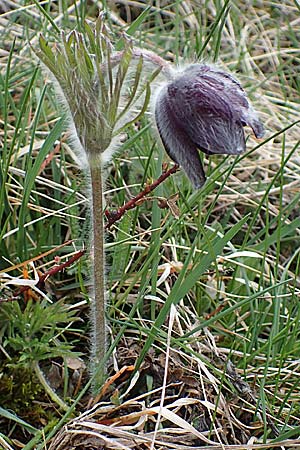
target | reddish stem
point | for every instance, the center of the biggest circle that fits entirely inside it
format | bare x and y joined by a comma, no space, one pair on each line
114,216
60,267
46,275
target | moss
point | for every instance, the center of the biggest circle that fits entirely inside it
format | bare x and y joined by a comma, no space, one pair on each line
19,390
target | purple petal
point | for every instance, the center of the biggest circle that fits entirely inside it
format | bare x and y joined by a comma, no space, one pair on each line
177,144
203,108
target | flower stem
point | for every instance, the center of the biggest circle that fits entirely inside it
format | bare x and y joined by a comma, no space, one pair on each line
98,349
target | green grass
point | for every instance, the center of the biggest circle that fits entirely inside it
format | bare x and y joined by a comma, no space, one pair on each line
229,263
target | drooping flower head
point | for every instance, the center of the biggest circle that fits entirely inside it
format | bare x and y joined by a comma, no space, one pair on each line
203,108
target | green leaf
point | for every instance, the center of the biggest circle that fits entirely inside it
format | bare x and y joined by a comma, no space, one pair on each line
120,254
69,52
136,25
223,12
10,416
31,174
143,109
119,81
286,230
140,114
48,17
133,92
47,51
184,284
291,433
91,37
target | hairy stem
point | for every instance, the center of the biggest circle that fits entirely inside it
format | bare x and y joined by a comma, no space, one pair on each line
98,304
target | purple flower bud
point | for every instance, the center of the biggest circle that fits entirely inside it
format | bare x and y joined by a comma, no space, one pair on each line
203,108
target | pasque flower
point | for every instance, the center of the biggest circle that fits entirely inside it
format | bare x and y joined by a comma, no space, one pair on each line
104,91
203,108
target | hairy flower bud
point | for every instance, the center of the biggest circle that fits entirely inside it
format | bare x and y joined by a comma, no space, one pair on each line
203,108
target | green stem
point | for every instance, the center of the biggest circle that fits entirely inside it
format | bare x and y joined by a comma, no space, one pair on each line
98,304
54,397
